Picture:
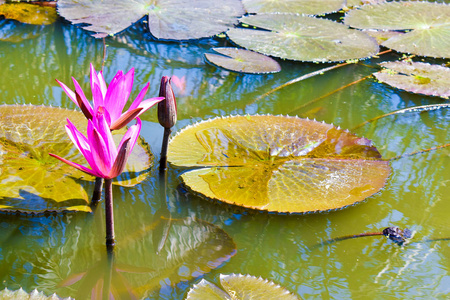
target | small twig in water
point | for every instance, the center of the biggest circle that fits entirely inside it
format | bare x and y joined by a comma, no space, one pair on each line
406,110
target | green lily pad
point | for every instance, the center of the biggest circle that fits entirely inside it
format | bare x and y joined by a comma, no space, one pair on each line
29,13
276,163
243,61
20,294
416,77
239,287
303,38
31,181
307,7
428,25
168,19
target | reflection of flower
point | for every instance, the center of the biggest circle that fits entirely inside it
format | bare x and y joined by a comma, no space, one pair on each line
113,98
98,148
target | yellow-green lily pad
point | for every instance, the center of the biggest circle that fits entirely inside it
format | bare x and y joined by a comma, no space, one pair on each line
243,61
416,77
304,38
29,13
31,181
427,25
307,7
237,286
277,163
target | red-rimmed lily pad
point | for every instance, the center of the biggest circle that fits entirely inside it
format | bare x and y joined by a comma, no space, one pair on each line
428,25
237,286
243,61
416,77
304,38
168,19
31,181
29,13
306,7
277,163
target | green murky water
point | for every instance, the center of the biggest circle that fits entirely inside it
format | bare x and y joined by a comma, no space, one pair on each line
53,252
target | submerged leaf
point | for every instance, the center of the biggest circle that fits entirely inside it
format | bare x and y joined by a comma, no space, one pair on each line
416,77
307,7
275,163
31,181
244,61
169,19
303,38
239,286
428,25
29,13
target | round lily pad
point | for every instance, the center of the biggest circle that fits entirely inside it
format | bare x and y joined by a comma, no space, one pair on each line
306,7
416,77
277,163
428,25
168,19
31,181
237,286
304,38
243,61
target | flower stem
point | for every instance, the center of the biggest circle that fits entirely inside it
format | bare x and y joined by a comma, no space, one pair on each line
165,143
97,194
110,241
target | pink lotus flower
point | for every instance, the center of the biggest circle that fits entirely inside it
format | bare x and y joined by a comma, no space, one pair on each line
113,98
98,148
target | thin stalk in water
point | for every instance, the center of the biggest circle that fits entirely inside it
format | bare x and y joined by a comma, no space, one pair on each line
97,194
109,215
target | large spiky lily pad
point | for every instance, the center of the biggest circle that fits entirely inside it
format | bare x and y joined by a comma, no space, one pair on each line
304,38
29,13
168,19
428,25
276,163
20,294
243,61
416,77
307,7
237,286
31,181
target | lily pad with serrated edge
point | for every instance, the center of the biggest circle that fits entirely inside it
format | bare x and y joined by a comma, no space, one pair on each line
416,77
307,7
304,38
428,25
29,13
243,61
168,19
277,163
20,294
237,286
31,181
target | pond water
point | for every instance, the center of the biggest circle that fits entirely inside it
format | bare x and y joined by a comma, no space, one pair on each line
65,253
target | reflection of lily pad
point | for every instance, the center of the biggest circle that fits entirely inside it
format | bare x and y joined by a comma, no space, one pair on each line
244,61
192,248
303,38
168,19
20,294
276,163
33,181
429,24
307,7
416,77
239,287
29,13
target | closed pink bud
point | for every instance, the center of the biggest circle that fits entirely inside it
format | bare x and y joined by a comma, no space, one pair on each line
167,109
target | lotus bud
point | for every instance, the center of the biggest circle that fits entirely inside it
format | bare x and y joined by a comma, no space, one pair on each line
167,109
